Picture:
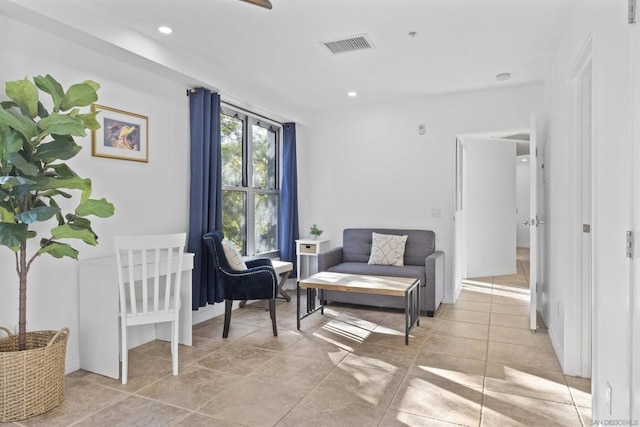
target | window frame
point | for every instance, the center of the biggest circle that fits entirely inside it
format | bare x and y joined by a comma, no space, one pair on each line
249,120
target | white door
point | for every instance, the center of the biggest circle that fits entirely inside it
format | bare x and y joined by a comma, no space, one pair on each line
489,203
585,207
535,229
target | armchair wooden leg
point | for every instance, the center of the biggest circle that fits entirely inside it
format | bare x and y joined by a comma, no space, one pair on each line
228,305
272,313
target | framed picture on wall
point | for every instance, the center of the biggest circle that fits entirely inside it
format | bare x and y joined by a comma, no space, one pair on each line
123,135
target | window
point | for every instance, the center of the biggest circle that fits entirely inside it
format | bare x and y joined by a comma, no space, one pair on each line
250,184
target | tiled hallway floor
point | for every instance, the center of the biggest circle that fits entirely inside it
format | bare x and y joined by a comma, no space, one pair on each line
475,363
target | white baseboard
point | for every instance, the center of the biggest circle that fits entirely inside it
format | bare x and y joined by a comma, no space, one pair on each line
71,364
557,346
451,298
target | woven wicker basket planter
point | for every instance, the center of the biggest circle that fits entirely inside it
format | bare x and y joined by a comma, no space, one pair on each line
31,381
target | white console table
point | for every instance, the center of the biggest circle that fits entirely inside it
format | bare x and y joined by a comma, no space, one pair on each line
99,306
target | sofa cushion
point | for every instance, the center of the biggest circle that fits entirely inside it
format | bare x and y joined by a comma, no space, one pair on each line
356,244
387,249
419,272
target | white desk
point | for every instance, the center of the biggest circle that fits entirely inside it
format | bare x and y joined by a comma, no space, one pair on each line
99,321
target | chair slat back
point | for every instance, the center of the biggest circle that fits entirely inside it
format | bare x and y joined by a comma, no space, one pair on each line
145,264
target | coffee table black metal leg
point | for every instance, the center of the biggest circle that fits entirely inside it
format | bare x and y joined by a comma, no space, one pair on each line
298,303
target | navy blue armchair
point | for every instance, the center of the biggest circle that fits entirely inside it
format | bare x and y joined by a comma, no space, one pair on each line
258,281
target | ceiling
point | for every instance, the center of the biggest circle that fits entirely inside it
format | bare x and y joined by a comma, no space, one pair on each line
273,60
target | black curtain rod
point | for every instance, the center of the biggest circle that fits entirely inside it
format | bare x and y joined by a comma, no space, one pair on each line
195,91
228,104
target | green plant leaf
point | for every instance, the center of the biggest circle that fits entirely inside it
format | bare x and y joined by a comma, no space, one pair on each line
13,181
75,183
54,204
79,95
8,105
94,85
6,215
57,149
10,142
49,85
19,122
12,234
21,164
68,231
41,213
52,193
58,250
62,124
90,121
42,112
100,208
25,94
63,170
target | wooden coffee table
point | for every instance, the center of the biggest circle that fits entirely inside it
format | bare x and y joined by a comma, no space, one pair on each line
403,287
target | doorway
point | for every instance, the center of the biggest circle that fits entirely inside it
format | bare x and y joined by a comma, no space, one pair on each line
492,204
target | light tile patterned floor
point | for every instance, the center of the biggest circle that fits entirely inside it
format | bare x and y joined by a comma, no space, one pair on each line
476,364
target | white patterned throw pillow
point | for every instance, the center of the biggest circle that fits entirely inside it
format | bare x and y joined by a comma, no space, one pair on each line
387,249
233,256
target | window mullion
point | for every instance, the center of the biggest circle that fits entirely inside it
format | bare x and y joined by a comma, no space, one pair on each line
249,214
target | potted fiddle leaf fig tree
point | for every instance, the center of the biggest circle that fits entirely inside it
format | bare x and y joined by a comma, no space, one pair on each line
43,205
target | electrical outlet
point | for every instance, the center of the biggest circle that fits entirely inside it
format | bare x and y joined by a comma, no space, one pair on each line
422,129
608,393
436,212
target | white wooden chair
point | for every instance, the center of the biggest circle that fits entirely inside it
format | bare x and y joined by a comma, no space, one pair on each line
150,291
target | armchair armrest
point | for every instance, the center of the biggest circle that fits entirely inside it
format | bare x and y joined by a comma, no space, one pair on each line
329,258
256,262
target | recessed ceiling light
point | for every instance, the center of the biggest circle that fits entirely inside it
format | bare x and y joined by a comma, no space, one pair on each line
165,30
503,76
352,94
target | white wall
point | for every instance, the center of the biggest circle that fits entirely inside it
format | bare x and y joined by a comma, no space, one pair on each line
606,23
149,197
368,166
522,201
489,207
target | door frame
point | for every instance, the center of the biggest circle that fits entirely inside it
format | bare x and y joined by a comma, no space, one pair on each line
459,214
580,317
635,200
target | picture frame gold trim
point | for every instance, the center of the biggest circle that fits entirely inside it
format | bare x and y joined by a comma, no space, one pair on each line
122,135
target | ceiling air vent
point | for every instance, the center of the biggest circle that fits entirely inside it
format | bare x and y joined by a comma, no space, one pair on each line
350,44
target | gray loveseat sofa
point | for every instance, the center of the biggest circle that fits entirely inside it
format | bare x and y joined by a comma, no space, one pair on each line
421,260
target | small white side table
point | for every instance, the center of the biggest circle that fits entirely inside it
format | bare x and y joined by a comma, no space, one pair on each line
307,251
